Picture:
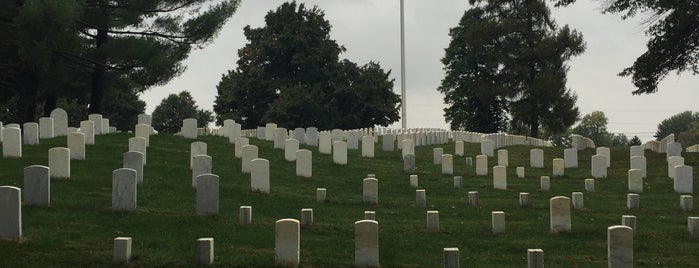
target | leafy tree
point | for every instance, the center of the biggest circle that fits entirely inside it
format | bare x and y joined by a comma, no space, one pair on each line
594,126
289,72
674,44
619,140
168,115
122,107
676,124
635,141
507,58
690,136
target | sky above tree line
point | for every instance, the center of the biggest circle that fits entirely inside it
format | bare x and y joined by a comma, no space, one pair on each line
370,30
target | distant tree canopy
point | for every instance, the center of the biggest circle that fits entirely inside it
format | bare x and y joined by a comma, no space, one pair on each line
594,126
168,115
289,73
674,44
677,124
90,53
506,64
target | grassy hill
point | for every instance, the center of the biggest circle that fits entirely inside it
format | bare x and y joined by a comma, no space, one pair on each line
79,227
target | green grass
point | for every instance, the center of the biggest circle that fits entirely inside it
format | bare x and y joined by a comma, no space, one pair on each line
79,227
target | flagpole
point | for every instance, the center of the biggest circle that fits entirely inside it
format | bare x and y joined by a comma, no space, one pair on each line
404,116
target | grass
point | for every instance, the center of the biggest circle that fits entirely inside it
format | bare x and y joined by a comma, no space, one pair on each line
79,227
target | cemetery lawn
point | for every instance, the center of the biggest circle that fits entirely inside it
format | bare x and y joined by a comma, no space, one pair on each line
78,229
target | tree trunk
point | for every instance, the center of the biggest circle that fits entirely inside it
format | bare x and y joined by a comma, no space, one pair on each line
534,128
99,70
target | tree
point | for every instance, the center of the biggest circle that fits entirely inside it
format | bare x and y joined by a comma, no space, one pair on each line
690,136
619,140
635,141
122,107
507,59
289,72
674,44
168,115
594,126
676,124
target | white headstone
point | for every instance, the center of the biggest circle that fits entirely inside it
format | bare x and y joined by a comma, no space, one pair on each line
388,142
287,243
503,158
97,122
242,141
536,158
304,163
370,191
366,243
520,172
280,136
447,164
368,146
487,148
578,201
673,149
499,178
604,151
325,143
560,214
122,250
300,135
437,156
570,158
639,162
340,152
145,119
558,167
60,122
207,194
684,180
143,131
189,128
432,221
46,128
498,222
59,163
481,165
88,128
312,136
259,175
545,183
619,246
290,148
352,140
599,166
205,250
249,152
37,186
30,133
635,180
134,160
270,130
105,126
196,148
672,162
636,150
124,189
201,164
459,148
139,145
76,145
11,211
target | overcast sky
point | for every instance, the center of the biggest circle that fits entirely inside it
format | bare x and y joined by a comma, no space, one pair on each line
370,30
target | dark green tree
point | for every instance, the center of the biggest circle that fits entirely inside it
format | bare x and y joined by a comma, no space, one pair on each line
690,136
508,58
594,126
635,141
122,107
289,73
676,124
673,27
619,140
168,115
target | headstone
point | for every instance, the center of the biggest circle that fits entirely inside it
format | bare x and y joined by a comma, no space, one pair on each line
97,122
245,215
312,136
261,133
388,142
88,128
366,243
409,163
481,165
321,194
432,221
420,198
672,162
259,175
370,191
207,194
299,134
604,151
242,141
205,250
304,163
59,163
636,150
11,211
45,127
499,178
473,199
340,153
686,203
635,180
520,172
138,145
337,135
134,160
673,149
570,158
73,129
228,128
684,180
368,146
249,152
325,143
12,142
578,201
37,186
639,162
124,189
105,125
76,145
145,119
408,147
353,140
370,215
437,156
558,167
590,185
560,214
458,182
536,158
630,221
290,148
498,222
30,133
270,130
413,181
459,148
503,158
143,131
196,148
693,227
201,164
306,217
487,148
633,201
60,122
122,250
189,128
280,136
545,183
619,246
450,257
524,200
447,164
535,258
287,243
235,133
598,167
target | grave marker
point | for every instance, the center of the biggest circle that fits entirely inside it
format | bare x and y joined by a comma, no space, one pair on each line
447,164
481,165
122,250
46,128
134,160
11,211
368,146
570,158
498,222
499,178
124,189
366,243
370,191
340,153
598,167
304,163
290,148
205,249
201,164
287,243
249,152
37,186
60,122
536,158
619,246
88,128
560,214
76,145
207,194
259,175
30,133
432,221
59,163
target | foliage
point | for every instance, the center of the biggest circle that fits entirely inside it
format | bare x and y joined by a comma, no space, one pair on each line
122,107
168,115
289,72
690,136
619,140
594,126
562,139
508,58
676,124
674,44
635,141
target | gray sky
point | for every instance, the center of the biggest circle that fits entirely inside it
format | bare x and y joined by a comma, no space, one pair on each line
370,30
